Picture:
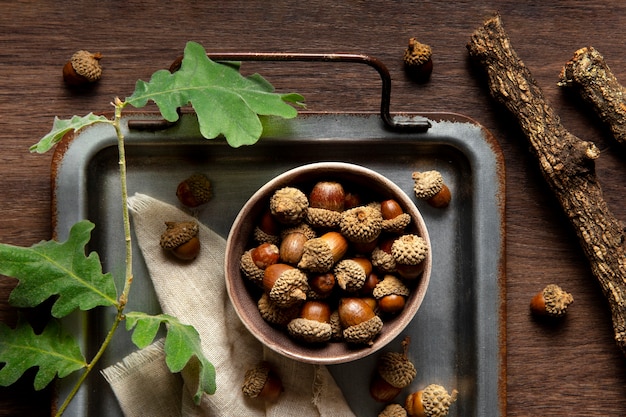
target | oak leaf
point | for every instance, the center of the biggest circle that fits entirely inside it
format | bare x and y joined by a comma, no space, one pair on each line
60,127
54,352
182,347
225,102
63,270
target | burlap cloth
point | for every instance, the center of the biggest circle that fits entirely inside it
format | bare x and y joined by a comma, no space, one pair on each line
196,294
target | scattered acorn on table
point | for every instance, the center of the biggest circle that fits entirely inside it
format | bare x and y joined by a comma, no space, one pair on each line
83,68
181,239
551,302
432,401
310,262
262,382
394,372
194,191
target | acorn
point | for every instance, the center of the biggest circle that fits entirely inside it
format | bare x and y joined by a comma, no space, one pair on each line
382,258
361,224
321,253
430,186
285,284
250,269
394,371
351,273
395,220
418,61
432,401
194,191
391,294
370,283
313,325
322,284
326,202
359,322
289,205
264,255
273,314
408,252
262,382
267,230
254,261
181,239
82,68
552,302
328,195
292,243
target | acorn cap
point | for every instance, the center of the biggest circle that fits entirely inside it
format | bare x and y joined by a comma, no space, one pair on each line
275,315
255,380
427,183
263,237
556,299
321,217
290,288
397,224
321,253
409,249
361,224
177,233
383,261
289,205
393,410
335,324
303,228
350,275
317,256
390,285
87,65
436,400
250,269
364,332
417,53
310,331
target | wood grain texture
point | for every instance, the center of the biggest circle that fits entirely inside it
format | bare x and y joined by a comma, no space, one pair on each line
572,369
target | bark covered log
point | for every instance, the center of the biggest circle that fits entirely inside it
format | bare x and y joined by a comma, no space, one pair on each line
590,76
566,162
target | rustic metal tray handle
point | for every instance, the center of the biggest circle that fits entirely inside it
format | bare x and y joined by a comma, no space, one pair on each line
400,123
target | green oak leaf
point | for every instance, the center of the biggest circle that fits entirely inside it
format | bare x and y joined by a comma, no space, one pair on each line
50,268
225,102
62,126
182,346
53,351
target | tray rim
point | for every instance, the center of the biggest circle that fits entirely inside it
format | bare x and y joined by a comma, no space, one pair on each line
66,143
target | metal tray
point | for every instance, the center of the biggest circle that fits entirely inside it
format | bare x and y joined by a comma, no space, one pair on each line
458,335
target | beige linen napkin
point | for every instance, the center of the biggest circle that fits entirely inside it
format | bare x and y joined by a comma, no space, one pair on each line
196,294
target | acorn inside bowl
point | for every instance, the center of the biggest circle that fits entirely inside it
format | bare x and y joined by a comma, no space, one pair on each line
294,302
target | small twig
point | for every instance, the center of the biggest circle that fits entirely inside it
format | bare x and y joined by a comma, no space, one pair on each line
119,105
589,75
566,162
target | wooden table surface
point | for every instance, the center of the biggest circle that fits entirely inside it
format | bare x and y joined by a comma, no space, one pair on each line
574,369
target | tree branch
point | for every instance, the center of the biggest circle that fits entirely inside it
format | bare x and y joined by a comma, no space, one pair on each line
566,162
589,75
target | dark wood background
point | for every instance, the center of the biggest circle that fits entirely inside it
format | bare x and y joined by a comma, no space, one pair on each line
573,369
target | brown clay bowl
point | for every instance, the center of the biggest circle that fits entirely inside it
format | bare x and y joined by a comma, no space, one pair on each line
244,297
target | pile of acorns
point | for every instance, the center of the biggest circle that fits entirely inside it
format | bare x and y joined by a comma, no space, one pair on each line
330,265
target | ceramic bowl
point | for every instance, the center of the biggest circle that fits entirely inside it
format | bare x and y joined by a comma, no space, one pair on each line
244,295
